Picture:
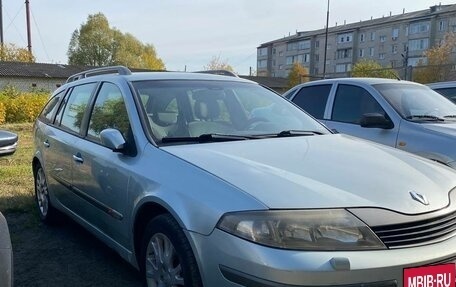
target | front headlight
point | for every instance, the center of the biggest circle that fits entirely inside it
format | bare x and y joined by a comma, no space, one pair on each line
333,229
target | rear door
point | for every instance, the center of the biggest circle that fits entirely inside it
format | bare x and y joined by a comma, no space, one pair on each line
59,140
314,100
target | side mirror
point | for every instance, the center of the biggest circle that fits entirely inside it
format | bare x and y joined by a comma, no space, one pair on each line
376,120
113,139
8,143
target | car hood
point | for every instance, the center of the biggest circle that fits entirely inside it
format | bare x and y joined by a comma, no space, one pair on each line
326,171
446,128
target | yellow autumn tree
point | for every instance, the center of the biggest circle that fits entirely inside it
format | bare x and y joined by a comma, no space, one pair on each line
13,53
438,66
366,68
298,74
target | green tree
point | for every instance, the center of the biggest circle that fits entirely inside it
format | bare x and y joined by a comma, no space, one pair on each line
298,74
438,67
216,63
372,69
95,43
13,53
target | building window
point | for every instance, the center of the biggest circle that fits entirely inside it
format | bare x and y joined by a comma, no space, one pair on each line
304,45
280,53
394,49
415,61
290,60
263,51
442,25
361,53
395,33
273,63
371,51
317,44
406,30
273,51
344,38
262,64
280,67
419,27
343,53
342,68
317,57
418,44
382,38
372,36
361,37
381,56
292,46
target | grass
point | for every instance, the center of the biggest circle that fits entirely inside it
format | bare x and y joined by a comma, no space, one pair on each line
16,178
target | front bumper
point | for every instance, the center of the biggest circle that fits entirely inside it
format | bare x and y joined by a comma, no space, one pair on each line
226,260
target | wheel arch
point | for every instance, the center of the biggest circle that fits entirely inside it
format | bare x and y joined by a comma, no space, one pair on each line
146,212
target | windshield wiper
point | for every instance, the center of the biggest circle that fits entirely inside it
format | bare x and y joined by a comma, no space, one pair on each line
426,117
205,138
289,133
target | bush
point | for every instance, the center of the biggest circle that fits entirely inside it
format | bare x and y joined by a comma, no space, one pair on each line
19,107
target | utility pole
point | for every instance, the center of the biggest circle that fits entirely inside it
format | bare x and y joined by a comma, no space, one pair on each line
1,23
326,42
29,35
405,57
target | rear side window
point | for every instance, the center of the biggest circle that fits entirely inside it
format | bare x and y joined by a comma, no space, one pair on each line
352,102
51,107
313,99
75,107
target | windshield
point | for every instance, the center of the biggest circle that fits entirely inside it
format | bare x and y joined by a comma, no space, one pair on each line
184,108
417,103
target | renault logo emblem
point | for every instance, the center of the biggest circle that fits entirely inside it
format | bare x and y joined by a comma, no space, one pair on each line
420,198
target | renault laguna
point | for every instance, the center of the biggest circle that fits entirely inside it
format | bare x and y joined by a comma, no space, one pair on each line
210,180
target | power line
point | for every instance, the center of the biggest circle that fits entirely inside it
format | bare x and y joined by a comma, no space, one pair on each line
41,38
12,23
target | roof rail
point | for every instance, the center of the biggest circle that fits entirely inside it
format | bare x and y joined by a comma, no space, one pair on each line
121,70
219,72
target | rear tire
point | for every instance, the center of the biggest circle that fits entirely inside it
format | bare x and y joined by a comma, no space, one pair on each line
166,258
47,213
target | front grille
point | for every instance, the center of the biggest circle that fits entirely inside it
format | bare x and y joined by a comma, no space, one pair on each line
417,233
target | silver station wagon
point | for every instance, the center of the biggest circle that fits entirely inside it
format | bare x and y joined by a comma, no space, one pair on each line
209,180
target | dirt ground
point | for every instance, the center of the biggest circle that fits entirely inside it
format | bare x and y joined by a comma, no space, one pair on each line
64,255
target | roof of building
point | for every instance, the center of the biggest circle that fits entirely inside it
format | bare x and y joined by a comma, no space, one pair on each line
416,15
38,70
60,71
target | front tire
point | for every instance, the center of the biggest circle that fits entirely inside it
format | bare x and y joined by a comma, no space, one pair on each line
46,211
166,256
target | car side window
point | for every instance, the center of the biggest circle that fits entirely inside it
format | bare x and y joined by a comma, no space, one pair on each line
313,99
449,93
352,102
75,107
51,107
109,111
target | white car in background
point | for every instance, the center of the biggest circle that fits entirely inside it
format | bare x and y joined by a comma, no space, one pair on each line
8,144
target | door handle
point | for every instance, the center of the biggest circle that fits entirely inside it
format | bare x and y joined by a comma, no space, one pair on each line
78,158
46,143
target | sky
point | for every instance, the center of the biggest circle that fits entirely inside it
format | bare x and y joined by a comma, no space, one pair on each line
188,33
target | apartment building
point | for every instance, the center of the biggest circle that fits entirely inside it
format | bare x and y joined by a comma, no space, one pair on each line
395,41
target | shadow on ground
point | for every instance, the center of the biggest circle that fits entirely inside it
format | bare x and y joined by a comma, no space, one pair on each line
64,255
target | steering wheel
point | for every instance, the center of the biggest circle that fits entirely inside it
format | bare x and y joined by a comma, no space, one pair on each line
253,122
